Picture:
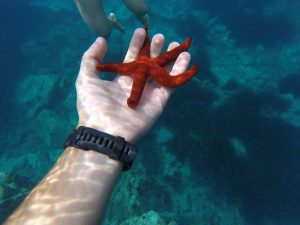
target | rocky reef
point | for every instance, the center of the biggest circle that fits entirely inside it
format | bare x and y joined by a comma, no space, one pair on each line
226,147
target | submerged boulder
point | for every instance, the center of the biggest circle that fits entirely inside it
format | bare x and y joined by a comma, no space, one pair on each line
149,218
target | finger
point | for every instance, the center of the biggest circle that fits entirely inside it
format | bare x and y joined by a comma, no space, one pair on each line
156,88
171,46
92,57
179,67
156,45
135,46
168,68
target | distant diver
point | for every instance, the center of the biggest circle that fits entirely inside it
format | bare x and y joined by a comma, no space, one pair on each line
93,14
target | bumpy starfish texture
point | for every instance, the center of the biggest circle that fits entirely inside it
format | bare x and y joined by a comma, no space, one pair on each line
145,66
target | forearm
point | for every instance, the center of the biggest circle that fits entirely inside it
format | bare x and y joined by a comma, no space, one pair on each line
75,191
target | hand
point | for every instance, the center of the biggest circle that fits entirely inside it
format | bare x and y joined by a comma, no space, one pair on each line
102,104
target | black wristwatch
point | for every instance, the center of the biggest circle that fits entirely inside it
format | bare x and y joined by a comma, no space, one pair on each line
116,148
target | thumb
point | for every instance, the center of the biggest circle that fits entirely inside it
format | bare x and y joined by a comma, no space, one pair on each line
92,57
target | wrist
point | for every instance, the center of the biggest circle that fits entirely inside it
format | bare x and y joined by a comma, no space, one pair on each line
94,125
114,147
116,130
91,158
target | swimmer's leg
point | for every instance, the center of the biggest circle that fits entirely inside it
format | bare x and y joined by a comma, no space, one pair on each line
139,9
94,16
116,24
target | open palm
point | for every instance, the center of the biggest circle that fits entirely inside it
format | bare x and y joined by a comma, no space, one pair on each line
102,104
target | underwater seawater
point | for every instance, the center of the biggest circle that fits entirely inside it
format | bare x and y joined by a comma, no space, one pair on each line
226,149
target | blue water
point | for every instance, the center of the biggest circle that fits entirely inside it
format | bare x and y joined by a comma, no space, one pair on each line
226,148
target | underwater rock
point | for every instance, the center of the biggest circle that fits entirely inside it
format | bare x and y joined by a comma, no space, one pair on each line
48,122
171,166
291,84
70,100
30,164
126,196
239,147
292,114
149,218
3,181
33,92
231,85
1,192
258,67
163,135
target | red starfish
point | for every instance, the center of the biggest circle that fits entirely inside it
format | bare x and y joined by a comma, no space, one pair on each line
145,66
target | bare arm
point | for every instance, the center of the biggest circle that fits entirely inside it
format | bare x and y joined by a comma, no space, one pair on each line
75,191
78,187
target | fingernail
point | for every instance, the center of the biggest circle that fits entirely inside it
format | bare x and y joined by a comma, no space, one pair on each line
98,39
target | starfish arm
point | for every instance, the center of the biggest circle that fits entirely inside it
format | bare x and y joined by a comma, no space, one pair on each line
138,86
145,50
171,81
122,68
170,56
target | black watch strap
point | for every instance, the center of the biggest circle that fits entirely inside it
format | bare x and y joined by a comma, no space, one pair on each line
114,147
